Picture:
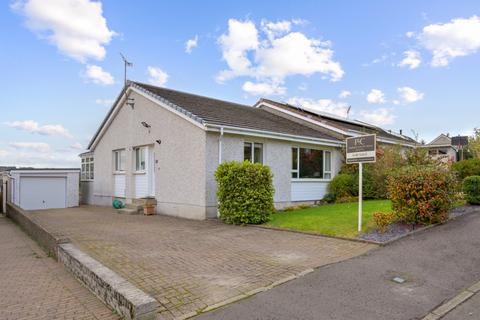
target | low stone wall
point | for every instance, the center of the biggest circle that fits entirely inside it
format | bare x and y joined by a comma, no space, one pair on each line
111,288
45,239
116,292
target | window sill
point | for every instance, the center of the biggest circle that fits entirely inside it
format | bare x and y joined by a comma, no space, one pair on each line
86,180
310,180
118,172
140,172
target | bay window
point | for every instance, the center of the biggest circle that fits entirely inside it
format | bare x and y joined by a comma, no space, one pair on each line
86,173
253,152
119,160
311,163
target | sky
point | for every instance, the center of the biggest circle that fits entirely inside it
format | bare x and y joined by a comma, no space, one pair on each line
410,65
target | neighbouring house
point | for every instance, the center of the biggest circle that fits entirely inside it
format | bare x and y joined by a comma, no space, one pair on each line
35,189
441,148
166,144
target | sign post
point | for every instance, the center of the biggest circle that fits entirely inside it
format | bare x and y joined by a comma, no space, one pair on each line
359,150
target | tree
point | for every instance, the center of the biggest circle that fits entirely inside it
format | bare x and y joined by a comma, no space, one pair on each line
474,143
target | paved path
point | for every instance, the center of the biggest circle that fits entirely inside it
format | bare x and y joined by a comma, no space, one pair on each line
437,264
191,265
34,286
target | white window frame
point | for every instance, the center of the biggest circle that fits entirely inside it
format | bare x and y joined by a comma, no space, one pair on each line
117,161
145,156
87,168
297,169
252,145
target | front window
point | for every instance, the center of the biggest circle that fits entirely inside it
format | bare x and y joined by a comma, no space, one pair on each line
140,155
86,173
311,164
253,152
119,160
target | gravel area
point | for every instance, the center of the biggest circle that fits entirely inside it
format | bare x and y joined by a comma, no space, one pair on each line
400,228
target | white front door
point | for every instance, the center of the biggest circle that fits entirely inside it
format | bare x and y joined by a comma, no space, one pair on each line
144,172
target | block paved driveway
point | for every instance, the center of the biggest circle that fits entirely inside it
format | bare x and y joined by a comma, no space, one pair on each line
189,265
34,286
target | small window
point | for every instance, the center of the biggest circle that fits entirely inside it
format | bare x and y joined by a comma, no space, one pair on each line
119,160
253,152
327,168
294,162
140,155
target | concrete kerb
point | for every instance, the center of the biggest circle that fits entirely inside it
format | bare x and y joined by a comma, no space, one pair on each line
116,292
440,311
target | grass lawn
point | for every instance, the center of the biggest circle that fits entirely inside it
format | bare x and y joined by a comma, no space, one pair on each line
338,219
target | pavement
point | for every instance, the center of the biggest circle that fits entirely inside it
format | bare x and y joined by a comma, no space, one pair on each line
191,266
34,286
437,264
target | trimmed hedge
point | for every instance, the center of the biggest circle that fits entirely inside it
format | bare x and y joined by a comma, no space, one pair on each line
343,185
422,194
471,188
467,168
245,192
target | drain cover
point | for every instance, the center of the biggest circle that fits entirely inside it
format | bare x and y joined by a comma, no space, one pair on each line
398,280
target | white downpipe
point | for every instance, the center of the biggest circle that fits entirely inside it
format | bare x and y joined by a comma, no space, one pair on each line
360,193
220,146
219,160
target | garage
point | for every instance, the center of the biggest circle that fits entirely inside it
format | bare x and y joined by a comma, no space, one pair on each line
37,189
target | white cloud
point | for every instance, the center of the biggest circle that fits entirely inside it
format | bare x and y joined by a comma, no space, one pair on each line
344,94
241,37
457,38
321,105
35,146
411,60
376,96
77,146
263,88
410,34
378,117
157,76
4,153
190,44
40,159
274,54
76,27
97,75
105,102
46,130
409,95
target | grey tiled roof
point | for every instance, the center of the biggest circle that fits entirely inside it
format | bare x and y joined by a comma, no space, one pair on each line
219,112
342,124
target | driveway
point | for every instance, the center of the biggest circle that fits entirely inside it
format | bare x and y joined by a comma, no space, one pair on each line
436,264
34,286
191,265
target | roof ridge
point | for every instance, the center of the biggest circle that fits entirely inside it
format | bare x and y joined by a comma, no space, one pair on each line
190,94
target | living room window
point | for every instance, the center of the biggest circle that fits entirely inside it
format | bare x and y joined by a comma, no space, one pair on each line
310,163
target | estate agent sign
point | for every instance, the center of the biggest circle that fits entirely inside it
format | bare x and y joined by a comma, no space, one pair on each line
359,150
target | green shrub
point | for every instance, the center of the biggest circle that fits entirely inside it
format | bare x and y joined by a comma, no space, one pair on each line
467,168
422,194
382,220
471,188
245,192
343,185
329,197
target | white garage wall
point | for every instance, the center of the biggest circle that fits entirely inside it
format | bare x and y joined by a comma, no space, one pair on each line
72,177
